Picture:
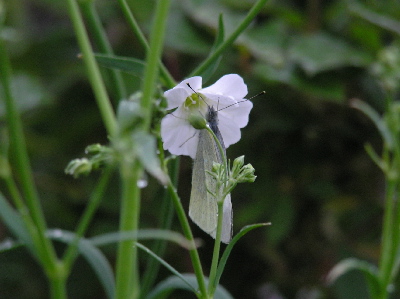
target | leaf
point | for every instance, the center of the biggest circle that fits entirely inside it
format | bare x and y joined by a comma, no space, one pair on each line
228,249
167,286
321,52
93,255
375,18
370,272
126,64
166,265
15,223
376,119
9,244
146,151
219,39
143,234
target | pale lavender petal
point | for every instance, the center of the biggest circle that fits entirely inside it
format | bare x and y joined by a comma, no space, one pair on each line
230,85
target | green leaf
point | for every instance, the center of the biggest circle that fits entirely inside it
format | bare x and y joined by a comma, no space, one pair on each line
376,119
143,234
321,52
219,39
93,255
375,18
146,151
14,223
370,272
167,286
166,265
9,244
228,249
126,64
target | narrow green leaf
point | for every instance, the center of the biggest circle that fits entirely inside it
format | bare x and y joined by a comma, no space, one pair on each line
375,157
9,244
376,119
14,223
143,234
167,286
219,39
93,255
370,272
146,151
375,18
229,248
126,64
166,265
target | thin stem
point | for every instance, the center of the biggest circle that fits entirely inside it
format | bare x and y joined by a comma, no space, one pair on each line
96,81
127,274
229,41
153,57
170,82
100,38
18,147
217,246
194,255
94,201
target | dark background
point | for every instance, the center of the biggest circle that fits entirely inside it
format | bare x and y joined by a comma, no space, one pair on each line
315,182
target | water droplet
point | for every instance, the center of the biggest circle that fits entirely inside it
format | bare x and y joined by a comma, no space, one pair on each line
142,183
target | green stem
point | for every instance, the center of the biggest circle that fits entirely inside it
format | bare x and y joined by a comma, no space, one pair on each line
230,40
194,255
94,201
58,285
93,70
166,217
153,58
217,246
170,82
100,38
127,274
387,258
18,147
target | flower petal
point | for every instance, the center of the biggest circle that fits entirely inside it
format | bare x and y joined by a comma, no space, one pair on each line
230,85
237,114
177,95
178,136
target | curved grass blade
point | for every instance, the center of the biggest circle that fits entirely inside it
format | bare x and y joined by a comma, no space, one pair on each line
376,119
166,265
219,39
93,255
229,248
127,64
370,272
9,244
14,223
167,286
143,234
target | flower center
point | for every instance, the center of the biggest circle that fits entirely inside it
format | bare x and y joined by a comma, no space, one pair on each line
195,103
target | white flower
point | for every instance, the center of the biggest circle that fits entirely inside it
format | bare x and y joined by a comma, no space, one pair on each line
179,137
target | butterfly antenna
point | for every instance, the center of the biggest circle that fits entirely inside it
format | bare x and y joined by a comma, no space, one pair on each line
197,93
259,94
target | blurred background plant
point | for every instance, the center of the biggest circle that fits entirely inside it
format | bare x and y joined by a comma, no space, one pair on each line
315,182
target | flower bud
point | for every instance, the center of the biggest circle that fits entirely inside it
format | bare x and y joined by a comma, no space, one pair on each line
78,167
197,121
237,165
246,174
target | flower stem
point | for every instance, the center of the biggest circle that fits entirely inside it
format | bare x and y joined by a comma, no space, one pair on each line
152,61
94,201
230,40
127,273
93,70
100,38
194,255
170,82
36,221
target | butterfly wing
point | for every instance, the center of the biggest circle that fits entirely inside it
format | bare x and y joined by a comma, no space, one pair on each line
203,208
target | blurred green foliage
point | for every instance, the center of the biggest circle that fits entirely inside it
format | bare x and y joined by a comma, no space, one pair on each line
315,182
